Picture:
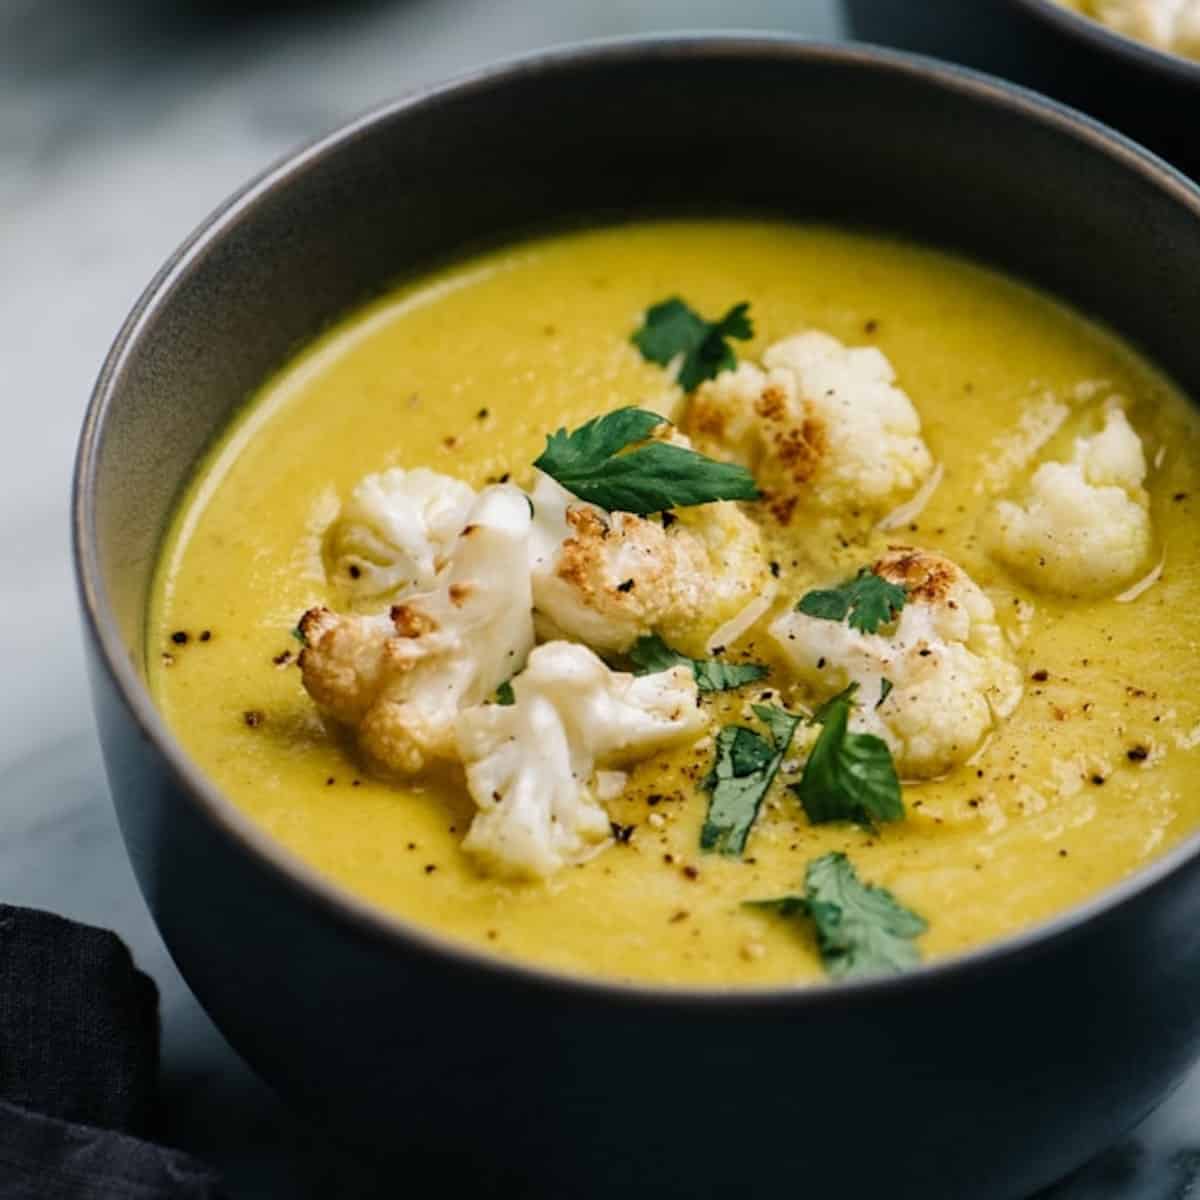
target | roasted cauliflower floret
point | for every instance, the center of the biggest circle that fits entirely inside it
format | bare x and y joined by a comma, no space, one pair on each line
400,679
822,426
950,668
394,533
1167,24
607,579
532,766
1084,529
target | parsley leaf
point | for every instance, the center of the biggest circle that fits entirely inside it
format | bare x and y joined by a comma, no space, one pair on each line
868,600
745,765
672,328
648,479
504,694
886,687
848,776
784,906
861,929
298,634
651,654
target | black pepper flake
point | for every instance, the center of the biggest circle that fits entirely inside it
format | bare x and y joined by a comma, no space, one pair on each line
681,915
668,519
282,658
430,868
1098,780
691,872
1062,854
412,845
330,781
206,635
668,859
1137,753
482,414
627,586
356,783
622,833
655,798
871,326
354,570
1040,676
253,718
775,568
1179,496
492,935
179,637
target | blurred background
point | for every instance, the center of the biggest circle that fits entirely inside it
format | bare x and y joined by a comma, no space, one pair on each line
122,124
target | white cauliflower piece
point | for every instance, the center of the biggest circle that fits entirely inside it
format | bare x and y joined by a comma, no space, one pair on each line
952,673
823,427
400,679
607,579
1085,528
1187,31
533,766
1166,24
394,533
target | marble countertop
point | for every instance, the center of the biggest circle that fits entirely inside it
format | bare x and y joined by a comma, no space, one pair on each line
122,124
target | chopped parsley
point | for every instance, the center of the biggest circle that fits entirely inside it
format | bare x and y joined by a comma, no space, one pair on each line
504,694
848,776
298,634
650,478
861,929
746,763
886,687
672,328
867,601
651,654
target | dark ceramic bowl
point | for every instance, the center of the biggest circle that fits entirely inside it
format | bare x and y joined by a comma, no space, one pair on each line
1150,94
983,1077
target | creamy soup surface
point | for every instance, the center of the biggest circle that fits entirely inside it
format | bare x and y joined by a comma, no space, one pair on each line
468,370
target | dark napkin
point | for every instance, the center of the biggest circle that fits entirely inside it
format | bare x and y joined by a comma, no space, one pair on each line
79,1070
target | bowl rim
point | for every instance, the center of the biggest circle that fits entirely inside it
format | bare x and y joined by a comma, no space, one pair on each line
1109,41
361,919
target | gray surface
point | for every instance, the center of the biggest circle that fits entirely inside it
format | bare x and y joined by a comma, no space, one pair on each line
121,124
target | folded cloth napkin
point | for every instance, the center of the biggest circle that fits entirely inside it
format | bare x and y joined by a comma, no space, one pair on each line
79,1070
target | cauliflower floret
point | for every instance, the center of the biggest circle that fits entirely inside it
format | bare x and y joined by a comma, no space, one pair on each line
1085,528
1167,24
532,766
950,668
393,534
1187,30
822,427
400,679
607,579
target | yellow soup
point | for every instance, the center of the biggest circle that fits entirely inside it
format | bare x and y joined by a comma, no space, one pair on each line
467,371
